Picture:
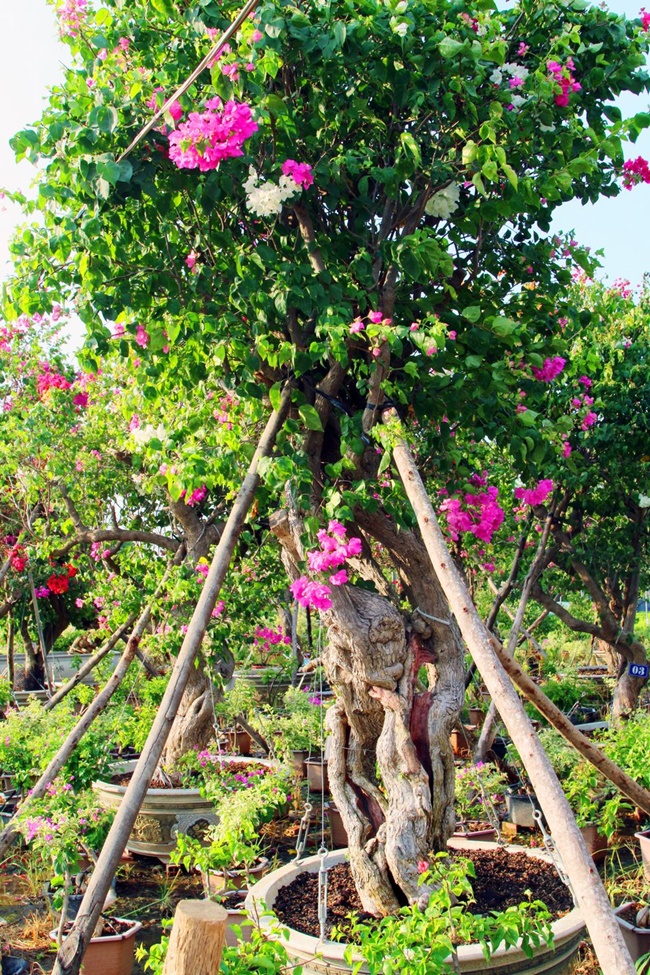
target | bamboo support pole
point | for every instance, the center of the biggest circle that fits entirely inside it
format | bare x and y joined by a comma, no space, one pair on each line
197,939
71,952
89,665
603,927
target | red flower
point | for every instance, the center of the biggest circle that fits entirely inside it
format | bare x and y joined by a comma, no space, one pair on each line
18,562
58,584
72,571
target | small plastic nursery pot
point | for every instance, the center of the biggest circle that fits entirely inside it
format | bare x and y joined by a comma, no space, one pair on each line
319,957
520,809
110,955
636,939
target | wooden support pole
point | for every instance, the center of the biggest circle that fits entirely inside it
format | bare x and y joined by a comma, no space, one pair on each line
71,952
9,833
603,927
89,665
197,939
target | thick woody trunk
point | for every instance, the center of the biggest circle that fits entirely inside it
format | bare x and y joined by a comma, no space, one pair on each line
391,768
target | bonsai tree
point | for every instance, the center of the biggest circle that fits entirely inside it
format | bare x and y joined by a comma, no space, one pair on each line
355,197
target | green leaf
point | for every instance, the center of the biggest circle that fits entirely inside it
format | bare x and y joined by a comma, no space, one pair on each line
449,47
310,417
511,174
411,147
275,395
503,326
109,170
472,313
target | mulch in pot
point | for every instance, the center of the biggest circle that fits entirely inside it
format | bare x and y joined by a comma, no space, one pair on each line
503,879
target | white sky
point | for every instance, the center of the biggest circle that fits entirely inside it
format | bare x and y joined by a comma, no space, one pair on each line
31,58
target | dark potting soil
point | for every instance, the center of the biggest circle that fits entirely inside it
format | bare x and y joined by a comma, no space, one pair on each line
502,880
111,927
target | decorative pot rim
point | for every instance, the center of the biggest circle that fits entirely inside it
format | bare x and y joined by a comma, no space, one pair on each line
643,834
129,766
626,924
309,947
260,863
133,929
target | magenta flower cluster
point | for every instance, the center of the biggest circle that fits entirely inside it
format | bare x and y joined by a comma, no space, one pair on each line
300,173
550,370
635,171
537,495
562,75
209,137
476,514
335,550
268,638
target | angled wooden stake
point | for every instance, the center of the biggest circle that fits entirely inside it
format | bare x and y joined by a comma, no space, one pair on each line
603,927
71,952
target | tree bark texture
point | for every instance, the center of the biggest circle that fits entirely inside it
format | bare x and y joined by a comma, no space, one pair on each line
383,722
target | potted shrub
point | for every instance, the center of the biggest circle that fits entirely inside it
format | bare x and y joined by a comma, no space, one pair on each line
422,937
297,728
65,829
480,792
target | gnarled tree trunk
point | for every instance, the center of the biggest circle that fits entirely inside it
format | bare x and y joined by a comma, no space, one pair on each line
391,768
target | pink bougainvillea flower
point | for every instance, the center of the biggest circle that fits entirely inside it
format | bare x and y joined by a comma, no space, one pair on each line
588,420
635,171
451,335
300,173
80,400
141,337
308,593
550,370
191,259
256,36
338,578
202,568
336,528
645,19
534,496
209,137
586,382
356,326
118,331
566,449
375,317
197,496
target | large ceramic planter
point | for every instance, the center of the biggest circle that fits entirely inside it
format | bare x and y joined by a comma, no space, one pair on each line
269,683
163,814
111,955
63,665
644,841
636,939
327,958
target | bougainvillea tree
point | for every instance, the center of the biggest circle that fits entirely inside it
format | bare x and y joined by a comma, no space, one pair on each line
356,197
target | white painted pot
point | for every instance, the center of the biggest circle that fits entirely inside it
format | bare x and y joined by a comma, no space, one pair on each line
327,958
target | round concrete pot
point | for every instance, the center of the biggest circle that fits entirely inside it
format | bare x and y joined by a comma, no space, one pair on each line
327,958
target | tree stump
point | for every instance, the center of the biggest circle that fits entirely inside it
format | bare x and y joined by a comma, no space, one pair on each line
197,939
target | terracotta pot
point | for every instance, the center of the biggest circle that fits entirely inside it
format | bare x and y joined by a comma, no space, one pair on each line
317,774
337,829
218,883
111,955
239,742
459,742
644,841
596,843
636,939
318,957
